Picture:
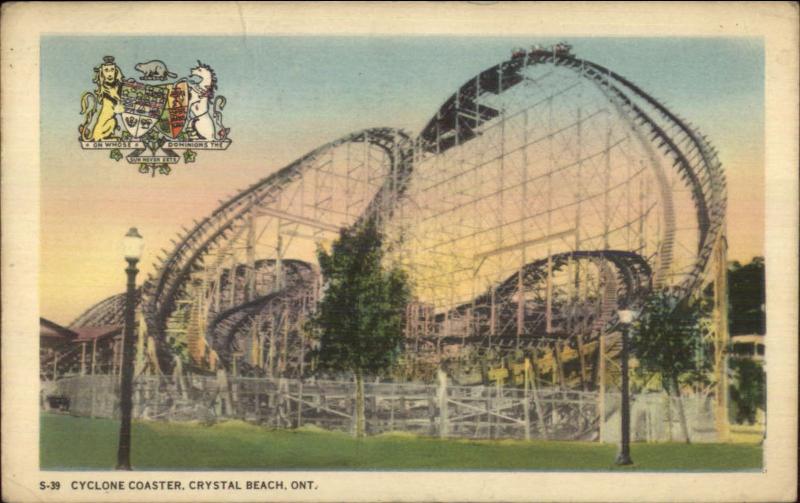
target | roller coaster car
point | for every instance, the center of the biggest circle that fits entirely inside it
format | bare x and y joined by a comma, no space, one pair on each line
562,49
538,49
518,52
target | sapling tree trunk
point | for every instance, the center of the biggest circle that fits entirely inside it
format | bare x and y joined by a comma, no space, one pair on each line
669,415
359,321
360,421
681,412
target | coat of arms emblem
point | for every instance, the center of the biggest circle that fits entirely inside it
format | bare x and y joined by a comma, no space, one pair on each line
154,121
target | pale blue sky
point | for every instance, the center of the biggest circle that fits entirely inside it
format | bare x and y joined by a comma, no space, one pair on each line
282,88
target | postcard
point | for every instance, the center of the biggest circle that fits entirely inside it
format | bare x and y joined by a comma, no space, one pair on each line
472,251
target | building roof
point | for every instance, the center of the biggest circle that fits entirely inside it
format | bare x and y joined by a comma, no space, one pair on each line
88,334
55,332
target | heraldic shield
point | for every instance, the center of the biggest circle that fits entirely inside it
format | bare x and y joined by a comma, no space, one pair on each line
143,105
124,113
174,117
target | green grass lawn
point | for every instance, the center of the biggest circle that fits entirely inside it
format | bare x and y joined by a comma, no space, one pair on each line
72,443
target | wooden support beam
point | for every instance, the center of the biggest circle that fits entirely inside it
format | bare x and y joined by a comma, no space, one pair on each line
525,244
83,358
601,391
526,407
299,219
442,395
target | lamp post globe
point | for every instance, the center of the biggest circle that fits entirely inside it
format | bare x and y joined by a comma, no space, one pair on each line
625,317
132,245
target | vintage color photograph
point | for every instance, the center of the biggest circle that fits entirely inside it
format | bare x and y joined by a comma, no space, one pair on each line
475,251
402,253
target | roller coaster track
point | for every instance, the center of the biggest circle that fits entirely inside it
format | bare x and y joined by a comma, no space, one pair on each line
174,270
458,121
225,325
626,283
109,311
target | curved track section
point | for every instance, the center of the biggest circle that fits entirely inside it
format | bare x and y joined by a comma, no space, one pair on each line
226,330
109,311
267,235
547,191
680,157
523,317
227,222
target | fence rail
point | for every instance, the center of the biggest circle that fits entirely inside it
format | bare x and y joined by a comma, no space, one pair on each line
429,409
441,409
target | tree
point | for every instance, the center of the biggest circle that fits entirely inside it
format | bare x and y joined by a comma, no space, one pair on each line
749,391
359,321
746,287
667,339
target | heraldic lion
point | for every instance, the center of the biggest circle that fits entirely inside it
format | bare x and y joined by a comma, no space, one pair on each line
108,78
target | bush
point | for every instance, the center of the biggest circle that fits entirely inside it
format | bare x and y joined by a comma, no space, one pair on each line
748,392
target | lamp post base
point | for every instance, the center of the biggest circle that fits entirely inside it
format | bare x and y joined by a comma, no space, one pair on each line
623,459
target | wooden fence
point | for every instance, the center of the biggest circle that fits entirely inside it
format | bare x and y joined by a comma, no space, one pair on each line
428,409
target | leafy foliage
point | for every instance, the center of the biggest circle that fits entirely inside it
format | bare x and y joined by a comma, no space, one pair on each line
746,290
667,339
359,321
748,394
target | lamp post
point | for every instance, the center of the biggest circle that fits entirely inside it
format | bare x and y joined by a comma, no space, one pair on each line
624,456
132,245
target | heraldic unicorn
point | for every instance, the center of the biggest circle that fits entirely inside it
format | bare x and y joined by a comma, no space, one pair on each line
154,121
